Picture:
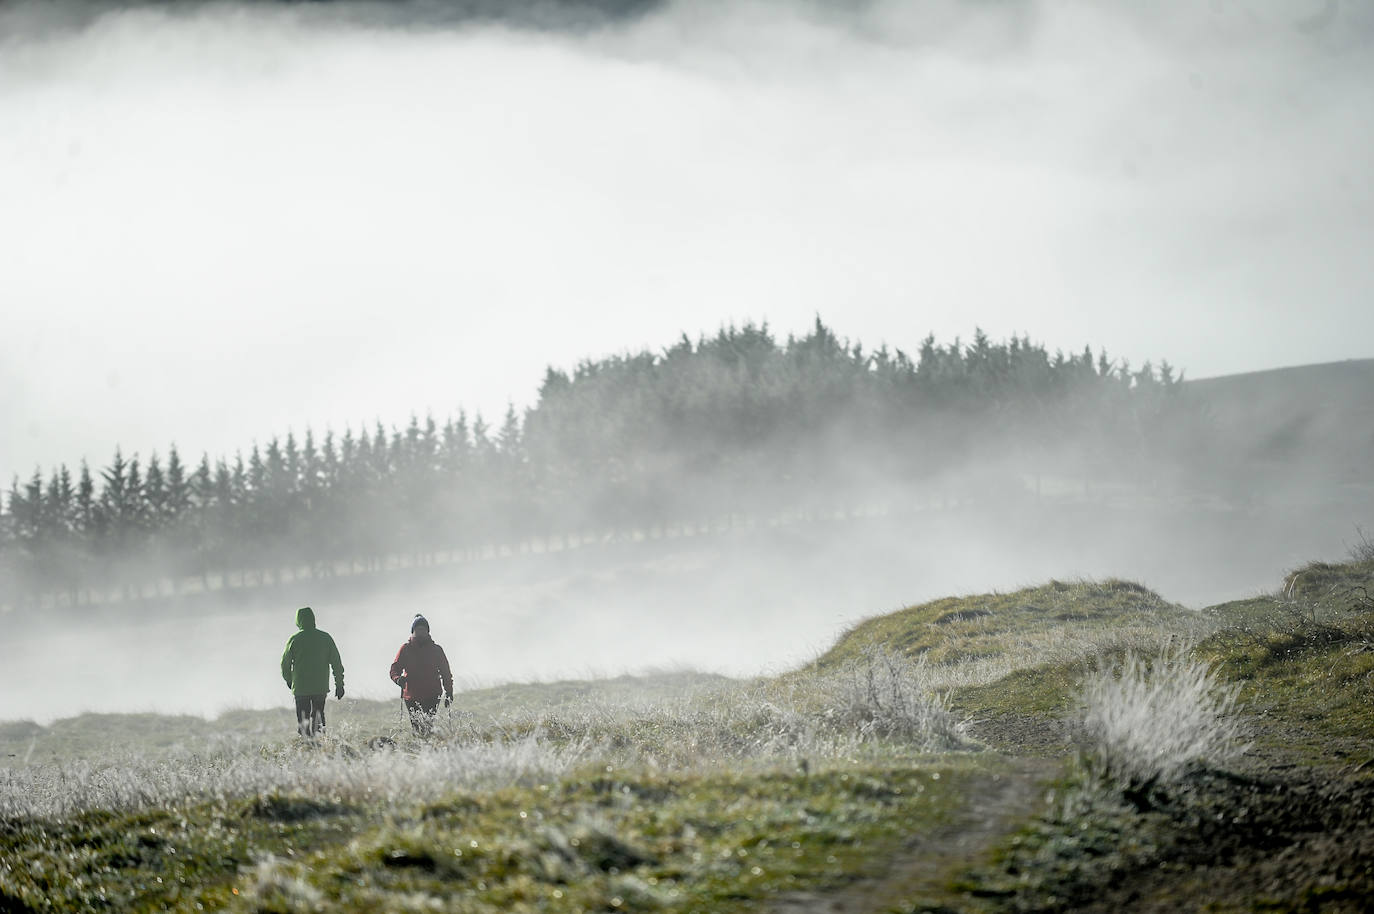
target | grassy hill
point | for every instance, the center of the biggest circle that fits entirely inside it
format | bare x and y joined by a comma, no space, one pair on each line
1301,424
1072,746
1013,630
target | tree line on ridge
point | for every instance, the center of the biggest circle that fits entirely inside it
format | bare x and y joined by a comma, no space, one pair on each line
735,426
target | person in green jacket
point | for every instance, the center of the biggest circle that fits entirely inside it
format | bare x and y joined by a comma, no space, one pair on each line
310,654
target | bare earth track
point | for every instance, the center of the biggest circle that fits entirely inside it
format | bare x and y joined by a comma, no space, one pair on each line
921,870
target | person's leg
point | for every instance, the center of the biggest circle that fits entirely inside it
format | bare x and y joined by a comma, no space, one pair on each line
417,717
310,714
430,707
303,713
422,714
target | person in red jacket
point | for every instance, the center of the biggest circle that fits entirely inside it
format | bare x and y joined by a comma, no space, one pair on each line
421,670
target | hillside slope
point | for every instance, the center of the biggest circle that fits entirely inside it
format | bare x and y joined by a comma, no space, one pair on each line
1301,424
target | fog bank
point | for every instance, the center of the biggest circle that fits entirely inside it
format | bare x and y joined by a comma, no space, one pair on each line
225,221
742,603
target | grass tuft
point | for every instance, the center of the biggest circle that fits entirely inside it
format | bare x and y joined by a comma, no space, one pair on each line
883,694
1146,722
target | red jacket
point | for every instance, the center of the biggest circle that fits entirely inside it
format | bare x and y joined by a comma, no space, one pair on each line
425,668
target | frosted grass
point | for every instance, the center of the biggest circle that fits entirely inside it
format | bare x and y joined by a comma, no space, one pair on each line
878,702
1147,722
336,772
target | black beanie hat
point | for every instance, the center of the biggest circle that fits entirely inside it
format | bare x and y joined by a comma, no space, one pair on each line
418,620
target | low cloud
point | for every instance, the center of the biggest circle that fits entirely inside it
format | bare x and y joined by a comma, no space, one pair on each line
226,221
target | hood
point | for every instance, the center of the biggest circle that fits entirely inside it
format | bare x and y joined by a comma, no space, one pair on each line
305,618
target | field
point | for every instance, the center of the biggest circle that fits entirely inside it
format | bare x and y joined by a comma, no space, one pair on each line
1081,745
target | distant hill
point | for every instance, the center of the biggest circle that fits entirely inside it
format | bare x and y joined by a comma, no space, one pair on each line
1315,421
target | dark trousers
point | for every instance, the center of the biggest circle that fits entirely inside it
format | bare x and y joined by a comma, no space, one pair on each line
310,714
422,711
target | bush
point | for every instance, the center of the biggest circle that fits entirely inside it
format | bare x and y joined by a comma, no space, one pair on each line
883,694
1146,722
1363,550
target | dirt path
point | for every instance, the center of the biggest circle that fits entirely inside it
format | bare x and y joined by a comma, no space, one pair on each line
1279,833
919,873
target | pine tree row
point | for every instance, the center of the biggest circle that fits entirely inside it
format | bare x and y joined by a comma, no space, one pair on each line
738,425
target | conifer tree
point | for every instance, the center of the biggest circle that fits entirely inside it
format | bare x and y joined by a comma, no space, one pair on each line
202,484
114,510
135,508
85,503
157,513
178,496
198,524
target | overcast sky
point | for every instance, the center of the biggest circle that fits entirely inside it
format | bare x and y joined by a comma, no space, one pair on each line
229,222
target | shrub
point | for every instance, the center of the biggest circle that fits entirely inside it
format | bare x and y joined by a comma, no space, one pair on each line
1147,722
883,694
1363,550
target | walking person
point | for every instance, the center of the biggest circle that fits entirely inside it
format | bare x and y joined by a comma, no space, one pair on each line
305,664
421,670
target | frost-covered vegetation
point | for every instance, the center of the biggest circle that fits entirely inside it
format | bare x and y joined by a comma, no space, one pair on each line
732,791
1146,720
878,700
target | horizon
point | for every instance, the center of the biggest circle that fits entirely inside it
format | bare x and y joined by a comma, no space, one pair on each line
403,416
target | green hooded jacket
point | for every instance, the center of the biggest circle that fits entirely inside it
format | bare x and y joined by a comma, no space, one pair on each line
308,656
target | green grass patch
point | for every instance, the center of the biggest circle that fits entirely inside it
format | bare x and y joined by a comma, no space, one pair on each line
1048,691
1308,688
1013,626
